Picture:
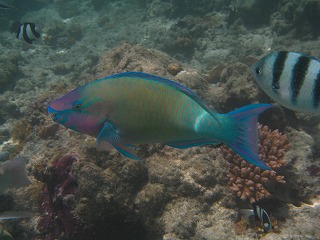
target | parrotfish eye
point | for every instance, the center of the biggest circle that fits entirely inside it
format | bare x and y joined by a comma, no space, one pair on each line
258,71
77,106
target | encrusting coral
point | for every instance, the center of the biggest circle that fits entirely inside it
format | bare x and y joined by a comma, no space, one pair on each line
247,180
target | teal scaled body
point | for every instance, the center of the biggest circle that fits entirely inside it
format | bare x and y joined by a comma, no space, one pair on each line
133,107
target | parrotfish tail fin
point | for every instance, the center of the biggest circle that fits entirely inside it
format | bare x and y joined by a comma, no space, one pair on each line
245,143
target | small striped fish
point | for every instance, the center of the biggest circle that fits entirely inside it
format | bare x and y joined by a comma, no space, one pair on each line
263,216
291,79
259,213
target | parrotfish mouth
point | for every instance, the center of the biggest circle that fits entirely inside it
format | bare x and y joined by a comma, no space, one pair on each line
54,115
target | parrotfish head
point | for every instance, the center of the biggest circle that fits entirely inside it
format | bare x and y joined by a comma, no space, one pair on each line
79,112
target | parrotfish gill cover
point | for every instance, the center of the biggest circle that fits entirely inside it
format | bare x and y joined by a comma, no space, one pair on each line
134,107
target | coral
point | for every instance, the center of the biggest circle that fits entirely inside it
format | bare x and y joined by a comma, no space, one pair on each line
20,134
58,194
8,109
313,170
174,68
247,180
48,131
62,34
298,17
21,131
253,13
8,71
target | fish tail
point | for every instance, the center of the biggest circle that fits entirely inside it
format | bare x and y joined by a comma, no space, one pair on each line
245,142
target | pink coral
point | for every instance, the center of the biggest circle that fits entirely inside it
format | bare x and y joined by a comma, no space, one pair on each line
247,180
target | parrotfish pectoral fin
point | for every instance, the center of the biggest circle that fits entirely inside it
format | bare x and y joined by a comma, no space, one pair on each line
191,143
245,142
109,136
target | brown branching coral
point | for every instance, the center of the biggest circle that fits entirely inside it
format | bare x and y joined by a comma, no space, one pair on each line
247,180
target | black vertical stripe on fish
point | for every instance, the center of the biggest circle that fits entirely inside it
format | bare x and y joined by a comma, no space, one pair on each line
263,216
299,72
316,92
33,30
18,32
278,67
25,34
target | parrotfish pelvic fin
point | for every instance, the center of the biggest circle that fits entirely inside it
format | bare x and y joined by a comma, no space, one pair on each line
245,142
109,136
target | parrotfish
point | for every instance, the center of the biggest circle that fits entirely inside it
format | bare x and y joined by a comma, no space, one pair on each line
291,79
133,107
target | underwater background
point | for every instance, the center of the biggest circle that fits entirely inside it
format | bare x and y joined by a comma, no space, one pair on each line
198,193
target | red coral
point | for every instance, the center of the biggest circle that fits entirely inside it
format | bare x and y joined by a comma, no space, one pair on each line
247,180
58,218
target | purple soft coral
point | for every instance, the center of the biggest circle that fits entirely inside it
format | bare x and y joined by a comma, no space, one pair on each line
58,218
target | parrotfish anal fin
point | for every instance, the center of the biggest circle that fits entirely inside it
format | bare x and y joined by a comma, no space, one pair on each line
191,143
126,151
109,136
245,142
104,146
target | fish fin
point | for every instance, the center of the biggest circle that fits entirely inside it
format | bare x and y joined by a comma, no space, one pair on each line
247,213
14,174
245,142
107,137
169,82
104,146
191,143
126,151
15,214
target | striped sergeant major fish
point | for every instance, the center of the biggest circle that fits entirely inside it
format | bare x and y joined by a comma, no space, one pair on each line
291,79
260,214
134,107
